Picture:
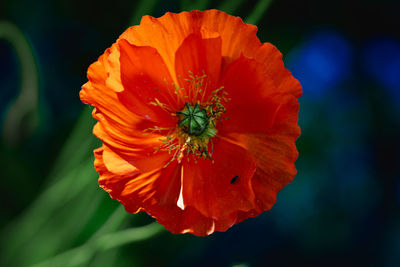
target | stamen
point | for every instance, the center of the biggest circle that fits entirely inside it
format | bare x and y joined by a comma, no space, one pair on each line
163,106
197,121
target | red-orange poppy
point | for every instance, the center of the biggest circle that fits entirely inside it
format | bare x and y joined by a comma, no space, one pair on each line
198,120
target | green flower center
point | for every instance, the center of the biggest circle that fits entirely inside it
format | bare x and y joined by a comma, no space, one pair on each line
193,120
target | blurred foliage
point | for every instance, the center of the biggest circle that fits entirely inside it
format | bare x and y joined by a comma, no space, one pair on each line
341,209
22,115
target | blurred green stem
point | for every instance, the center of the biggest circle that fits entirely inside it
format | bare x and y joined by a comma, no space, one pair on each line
113,222
230,6
80,256
144,7
188,5
127,236
25,107
258,11
77,148
51,207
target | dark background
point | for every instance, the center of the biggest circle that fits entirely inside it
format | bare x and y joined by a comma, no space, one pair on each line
342,209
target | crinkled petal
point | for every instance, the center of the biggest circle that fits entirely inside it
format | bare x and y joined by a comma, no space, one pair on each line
253,101
198,56
237,38
155,192
157,32
146,82
117,125
96,93
156,186
116,164
165,34
275,153
271,58
220,187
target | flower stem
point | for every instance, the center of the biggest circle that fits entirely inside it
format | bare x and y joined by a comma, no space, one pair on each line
230,6
26,104
113,240
77,148
143,7
80,256
188,5
258,11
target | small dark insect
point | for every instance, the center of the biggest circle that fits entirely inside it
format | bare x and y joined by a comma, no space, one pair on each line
234,179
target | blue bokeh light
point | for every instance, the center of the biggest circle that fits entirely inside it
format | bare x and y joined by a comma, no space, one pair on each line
321,62
381,58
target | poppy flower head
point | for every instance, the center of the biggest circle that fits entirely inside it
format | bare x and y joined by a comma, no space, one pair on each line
198,120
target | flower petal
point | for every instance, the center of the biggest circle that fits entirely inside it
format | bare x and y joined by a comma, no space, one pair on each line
199,56
220,187
156,32
253,101
96,93
116,124
156,192
275,153
192,221
240,38
237,37
158,186
113,69
146,80
284,81
115,164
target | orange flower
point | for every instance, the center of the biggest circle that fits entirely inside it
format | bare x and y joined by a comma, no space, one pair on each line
198,120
